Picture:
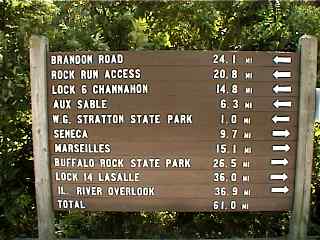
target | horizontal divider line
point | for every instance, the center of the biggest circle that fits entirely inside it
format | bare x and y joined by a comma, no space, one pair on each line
160,81
268,157
142,198
172,169
139,184
87,141
226,66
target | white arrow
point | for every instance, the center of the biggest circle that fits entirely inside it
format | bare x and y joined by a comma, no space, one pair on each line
278,59
278,74
283,162
282,148
280,133
282,177
277,119
279,104
282,89
284,189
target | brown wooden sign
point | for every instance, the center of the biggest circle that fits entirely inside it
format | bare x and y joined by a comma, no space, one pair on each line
173,130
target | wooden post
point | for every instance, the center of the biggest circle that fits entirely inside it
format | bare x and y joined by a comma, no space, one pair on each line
308,75
38,74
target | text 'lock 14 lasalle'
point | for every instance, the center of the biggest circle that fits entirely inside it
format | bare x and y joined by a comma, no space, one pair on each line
172,130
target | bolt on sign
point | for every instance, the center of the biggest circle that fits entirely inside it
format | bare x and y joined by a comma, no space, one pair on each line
172,130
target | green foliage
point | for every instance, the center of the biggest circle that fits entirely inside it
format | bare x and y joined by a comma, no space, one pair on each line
134,25
17,205
315,196
271,32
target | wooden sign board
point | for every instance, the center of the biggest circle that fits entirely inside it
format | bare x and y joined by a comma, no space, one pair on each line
173,130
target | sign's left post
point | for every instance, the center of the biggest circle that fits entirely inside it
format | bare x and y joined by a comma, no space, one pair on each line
38,75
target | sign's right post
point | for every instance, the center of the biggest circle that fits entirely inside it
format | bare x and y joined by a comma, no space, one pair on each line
308,50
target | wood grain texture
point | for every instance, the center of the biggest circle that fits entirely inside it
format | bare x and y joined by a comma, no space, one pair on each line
232,119
308,75
38,52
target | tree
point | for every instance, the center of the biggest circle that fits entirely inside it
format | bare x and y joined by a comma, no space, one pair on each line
92,25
